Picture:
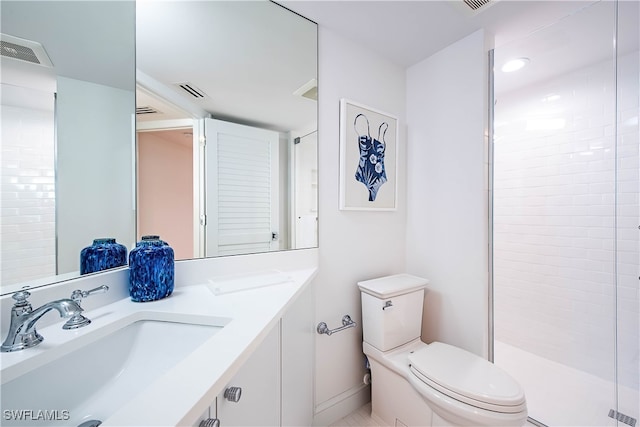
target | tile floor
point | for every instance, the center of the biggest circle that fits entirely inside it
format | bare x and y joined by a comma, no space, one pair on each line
568,397
360,417
565,396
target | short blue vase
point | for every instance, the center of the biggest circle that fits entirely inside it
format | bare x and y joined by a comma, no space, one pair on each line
101,255
151,270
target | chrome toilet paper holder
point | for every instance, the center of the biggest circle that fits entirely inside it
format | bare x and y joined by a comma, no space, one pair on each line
347,323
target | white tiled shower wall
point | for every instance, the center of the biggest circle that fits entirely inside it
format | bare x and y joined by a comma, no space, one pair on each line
555,217
27,198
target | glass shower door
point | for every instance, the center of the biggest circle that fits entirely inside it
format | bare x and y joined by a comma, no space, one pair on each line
565,219
628,212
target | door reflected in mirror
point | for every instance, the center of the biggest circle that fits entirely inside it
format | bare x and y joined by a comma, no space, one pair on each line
227,128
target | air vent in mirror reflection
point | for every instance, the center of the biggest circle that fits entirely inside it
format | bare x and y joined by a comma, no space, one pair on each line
146,110
191,90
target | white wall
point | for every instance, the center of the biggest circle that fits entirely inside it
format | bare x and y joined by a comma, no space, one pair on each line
447,191
303,189
353,245
94,182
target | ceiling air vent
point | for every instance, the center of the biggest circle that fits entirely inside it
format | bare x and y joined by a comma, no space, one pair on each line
308,90
476,4
471,8
146,110
24,50
191,90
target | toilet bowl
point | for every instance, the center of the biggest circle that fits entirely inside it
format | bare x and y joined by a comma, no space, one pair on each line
418,384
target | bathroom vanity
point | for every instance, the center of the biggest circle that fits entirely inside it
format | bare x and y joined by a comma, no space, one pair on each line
167,362
174,361
275,380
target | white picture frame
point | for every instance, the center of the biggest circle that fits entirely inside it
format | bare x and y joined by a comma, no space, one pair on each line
368,158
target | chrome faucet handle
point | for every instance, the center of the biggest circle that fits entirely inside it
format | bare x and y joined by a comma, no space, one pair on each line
79,320
21,305
79,294
21,296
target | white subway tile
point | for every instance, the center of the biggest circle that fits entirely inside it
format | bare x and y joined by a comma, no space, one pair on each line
560,194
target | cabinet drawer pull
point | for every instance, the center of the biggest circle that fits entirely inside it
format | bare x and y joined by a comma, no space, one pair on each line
210,422
233,394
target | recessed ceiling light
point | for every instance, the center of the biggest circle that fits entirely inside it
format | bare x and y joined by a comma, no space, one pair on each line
514,65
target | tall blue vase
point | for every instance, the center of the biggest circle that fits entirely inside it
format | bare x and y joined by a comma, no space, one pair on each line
101,255
151,270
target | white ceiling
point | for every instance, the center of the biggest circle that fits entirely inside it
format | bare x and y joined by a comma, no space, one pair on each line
572,43
569,34
404,32
248,58
407,32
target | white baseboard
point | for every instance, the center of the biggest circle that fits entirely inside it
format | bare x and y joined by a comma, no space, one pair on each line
341,405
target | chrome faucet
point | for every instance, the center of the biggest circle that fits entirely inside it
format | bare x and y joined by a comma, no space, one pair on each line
22,330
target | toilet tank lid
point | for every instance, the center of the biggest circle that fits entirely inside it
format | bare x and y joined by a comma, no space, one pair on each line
391,286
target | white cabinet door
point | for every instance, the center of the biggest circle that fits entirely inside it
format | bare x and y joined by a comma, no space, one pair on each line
298,349
277,379
259,379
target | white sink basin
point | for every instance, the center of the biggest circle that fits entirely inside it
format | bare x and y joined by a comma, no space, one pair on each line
96,380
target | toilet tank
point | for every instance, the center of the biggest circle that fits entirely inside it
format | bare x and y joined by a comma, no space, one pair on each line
392,310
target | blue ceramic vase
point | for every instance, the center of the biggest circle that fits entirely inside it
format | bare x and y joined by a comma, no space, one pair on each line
151,270
101,255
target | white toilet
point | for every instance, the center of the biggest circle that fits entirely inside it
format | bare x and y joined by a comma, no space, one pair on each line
418,384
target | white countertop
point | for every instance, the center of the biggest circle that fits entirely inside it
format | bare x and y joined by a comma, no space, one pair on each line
186,390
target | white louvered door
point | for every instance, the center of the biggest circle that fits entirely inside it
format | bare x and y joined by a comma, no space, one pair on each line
241,189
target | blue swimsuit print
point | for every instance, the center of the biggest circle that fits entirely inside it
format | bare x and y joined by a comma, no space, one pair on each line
371,170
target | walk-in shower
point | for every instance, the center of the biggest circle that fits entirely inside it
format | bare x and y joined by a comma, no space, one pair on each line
565,217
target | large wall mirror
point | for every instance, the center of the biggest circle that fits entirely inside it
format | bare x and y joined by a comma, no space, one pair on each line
124,123
68,104
227,120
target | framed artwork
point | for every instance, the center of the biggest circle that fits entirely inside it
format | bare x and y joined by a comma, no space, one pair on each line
368,158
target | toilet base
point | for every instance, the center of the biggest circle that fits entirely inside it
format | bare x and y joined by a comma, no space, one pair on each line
395,401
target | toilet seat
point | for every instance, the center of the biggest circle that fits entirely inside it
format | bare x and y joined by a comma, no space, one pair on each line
466,377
